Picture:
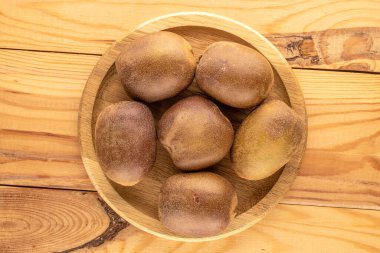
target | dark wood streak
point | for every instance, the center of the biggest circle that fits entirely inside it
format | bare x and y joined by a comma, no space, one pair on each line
338,104
18,100
17,92
17,155
353,122
116,224
34,156
298,46
354,191
351,145
313,115
290,198
332,46
36,133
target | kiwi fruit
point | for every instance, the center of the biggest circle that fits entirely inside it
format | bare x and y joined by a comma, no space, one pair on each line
156,66
234,74
266,140
195,133
197,204
125,142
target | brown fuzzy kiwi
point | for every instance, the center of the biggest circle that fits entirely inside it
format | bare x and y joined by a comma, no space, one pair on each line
156,66
125,142
195,133
266,140
197,204
234,74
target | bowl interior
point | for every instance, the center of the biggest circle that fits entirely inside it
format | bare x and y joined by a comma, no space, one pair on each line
144,195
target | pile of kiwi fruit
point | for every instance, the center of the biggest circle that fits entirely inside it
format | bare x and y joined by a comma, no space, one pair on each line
194,131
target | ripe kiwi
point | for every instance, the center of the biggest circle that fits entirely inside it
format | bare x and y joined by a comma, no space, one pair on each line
266,140
156,66
195,133
197,204
125,142
234,74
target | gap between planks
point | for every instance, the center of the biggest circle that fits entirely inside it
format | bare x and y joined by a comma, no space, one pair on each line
280,203
94,54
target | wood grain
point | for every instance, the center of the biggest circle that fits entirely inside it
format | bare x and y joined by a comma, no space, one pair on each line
309,26
288,229
341,165
39,220
34,220
39,103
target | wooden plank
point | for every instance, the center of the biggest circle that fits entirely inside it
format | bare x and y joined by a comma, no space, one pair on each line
337,179
41,220
39,146
38,220
40,95
310,34
287,229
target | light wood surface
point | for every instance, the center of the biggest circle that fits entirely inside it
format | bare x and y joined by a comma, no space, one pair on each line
138,205
91,27
39,100
39,220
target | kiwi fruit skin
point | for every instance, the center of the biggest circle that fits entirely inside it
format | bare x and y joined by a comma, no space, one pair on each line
195,133
266,140
125,142
234,74
156,66
197,204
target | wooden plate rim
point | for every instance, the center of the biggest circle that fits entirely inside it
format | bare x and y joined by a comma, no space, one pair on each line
99,72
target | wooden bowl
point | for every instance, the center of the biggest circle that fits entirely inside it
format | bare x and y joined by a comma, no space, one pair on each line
138,204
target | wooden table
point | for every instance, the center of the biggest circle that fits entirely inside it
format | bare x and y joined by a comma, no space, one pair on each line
47,51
